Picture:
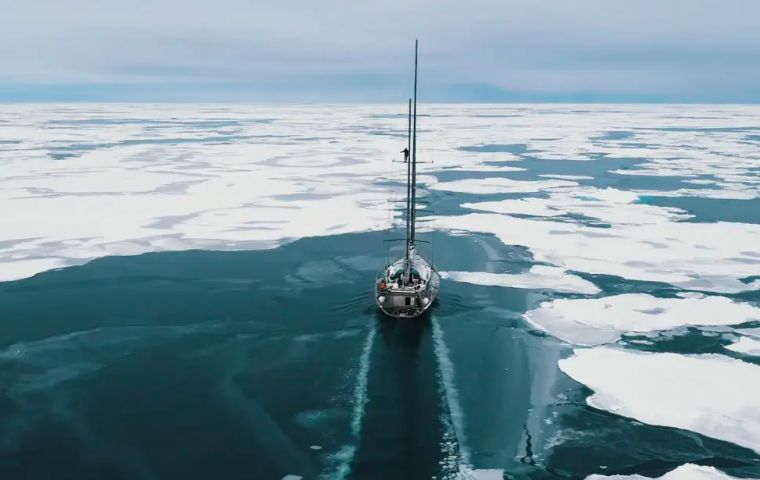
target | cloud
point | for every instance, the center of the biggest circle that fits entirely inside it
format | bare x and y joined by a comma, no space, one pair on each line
297,49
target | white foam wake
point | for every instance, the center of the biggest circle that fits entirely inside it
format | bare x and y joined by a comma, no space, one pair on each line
345,456
360,390
451,394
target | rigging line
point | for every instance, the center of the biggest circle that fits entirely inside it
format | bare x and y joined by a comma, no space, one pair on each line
388,230
432,247
392,175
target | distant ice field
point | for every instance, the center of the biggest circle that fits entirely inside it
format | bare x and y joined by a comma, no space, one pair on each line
84,181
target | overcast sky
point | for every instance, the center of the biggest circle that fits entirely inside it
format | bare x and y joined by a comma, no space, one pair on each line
311,50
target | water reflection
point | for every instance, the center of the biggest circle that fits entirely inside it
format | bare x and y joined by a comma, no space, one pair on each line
403,333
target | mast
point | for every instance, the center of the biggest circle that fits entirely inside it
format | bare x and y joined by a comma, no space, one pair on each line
408,187
413,210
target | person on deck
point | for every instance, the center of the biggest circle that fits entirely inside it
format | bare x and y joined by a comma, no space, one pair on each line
406,155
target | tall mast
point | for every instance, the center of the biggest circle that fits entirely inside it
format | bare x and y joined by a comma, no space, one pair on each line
408,181
414,156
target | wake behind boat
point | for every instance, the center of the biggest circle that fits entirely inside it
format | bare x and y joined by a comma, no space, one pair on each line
407,287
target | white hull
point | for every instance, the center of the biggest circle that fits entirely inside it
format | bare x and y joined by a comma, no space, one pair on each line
411,300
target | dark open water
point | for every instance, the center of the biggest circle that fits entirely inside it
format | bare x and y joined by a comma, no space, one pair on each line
248,365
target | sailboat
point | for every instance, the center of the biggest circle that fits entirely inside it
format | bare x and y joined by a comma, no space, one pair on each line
407,287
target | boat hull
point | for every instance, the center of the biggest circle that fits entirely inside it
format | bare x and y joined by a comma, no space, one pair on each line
408,303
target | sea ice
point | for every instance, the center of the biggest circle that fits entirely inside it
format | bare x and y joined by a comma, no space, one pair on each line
540,277
499,185
565,177
609,205
156,178
697,256
483,474
746,345
712,395
594,321
80,182
752,332
533,207
26,268
684,472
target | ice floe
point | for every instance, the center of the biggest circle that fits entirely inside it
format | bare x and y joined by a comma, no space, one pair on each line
609,205
689,471
540,277
483,474
697,256
485,167
752,332
11,269
500,185
557,176
746,345
712,395
595,321
713,193
532,207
